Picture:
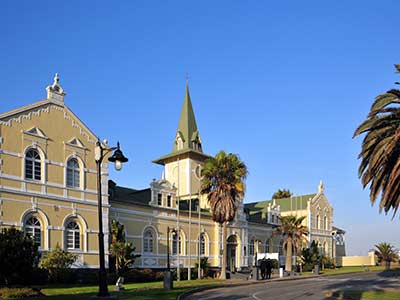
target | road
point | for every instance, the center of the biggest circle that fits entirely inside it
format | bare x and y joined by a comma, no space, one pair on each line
309,289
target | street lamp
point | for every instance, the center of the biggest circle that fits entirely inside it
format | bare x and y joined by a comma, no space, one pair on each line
118,158
168,280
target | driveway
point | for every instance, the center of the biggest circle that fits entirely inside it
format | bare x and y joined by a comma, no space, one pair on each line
308,289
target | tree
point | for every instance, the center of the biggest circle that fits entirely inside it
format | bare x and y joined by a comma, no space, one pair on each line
310,257
386,253
380,163
18,256
223,183
57,262
293,232
280,194
123,252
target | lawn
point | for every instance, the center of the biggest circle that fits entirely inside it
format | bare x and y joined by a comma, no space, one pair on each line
344,270
137,291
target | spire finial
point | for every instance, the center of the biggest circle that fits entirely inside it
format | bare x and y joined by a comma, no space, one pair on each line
321,187
187,78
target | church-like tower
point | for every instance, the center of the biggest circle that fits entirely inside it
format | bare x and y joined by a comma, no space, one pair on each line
183,165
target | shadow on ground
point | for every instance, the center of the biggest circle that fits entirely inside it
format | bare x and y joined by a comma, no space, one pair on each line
355,288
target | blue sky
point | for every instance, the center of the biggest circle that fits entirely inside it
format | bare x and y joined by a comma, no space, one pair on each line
282,83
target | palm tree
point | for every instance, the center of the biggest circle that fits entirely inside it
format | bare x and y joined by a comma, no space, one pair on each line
380,152
280,194
223,183
386,253
293,233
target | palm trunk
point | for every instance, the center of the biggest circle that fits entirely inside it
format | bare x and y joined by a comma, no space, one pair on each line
387,265
224,251
288,264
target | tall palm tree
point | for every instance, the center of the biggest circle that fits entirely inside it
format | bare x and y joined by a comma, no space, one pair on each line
386,253
223,183
293,234
380,152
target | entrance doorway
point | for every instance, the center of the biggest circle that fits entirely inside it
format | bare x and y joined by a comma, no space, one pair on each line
231,244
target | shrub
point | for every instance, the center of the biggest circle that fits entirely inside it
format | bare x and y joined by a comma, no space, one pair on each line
57,263
18,257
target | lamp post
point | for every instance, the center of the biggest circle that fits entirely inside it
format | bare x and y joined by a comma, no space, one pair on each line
168,279
200,178
118,158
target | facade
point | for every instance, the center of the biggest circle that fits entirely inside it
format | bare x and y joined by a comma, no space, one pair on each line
48,184
48,189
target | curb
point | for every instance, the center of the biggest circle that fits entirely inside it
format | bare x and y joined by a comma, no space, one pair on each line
183,295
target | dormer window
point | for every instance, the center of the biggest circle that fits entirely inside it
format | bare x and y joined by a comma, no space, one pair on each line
169,201
179,141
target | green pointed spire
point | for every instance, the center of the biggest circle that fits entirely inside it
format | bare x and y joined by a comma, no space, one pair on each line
187,135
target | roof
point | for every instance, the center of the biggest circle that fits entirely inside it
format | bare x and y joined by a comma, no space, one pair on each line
286,204
128,195
21,109
187,126
339,230
161,160
187,131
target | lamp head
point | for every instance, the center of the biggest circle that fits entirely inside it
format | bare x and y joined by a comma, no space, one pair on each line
118,158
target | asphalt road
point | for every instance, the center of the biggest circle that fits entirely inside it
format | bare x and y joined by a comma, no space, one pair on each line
309,289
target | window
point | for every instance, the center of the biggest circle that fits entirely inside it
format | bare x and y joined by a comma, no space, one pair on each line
318,222
148,242
267,246
251,247
280,247
73,173
169,200
325,223
159,199
176,244
202,244
33,165
73,235
273,219
33,229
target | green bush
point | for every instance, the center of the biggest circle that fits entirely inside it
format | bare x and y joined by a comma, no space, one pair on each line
58,263
18,257
18,293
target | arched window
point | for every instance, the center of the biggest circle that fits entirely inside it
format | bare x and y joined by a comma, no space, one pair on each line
33,229
73,173
326,223
33,165
318,222
148,241
176,244
202,244
251,247
73,235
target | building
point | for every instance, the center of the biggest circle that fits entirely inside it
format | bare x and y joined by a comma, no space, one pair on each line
48,174
48,189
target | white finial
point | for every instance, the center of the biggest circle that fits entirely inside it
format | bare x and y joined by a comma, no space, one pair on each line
56,79
55,91
321,187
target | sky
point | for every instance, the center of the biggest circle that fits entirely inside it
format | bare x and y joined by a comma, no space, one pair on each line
284,84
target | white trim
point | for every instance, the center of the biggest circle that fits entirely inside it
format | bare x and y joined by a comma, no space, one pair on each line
44,218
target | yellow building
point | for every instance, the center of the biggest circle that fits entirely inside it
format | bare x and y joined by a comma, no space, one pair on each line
48,189
48,184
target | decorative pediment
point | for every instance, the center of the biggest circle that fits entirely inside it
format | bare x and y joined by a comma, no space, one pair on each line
36,132
76,143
